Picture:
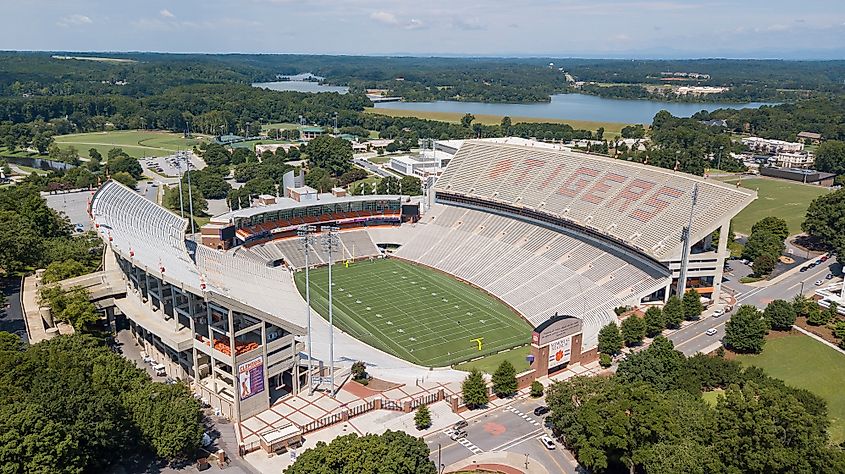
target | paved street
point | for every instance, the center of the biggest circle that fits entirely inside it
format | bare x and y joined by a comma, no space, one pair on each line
512,428
692,338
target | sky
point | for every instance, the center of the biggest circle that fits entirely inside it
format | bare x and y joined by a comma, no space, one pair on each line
789,29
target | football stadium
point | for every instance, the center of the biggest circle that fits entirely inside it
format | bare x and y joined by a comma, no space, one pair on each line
511,245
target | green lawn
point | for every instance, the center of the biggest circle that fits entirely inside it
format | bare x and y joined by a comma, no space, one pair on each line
251,143
611,129
803,362
785,199
416,313
489,364
279,125
136,143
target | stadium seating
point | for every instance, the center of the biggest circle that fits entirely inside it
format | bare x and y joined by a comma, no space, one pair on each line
644,206
351,244
536,270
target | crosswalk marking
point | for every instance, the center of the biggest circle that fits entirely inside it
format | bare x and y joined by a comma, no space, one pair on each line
464,442
523,416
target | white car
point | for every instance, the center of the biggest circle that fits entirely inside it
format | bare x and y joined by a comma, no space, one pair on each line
547,441
710,332
718,313
458,434
819,282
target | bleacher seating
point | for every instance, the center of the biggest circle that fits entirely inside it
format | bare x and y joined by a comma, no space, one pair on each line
352,244
536,270
644,206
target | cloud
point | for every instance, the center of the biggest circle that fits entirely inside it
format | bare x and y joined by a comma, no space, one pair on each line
384,17
166,13
74,20
390,19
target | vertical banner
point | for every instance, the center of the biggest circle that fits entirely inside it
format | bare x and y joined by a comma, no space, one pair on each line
251,378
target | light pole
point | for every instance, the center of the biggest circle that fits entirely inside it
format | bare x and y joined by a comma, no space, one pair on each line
802,287
719,165
329,242
305,233
190,194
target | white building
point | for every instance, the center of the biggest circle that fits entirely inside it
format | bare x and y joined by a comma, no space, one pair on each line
428,163
795,160
771,146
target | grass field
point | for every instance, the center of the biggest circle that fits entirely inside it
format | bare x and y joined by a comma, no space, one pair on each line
611,129
489,364
775,197
136,143
805,363
416,313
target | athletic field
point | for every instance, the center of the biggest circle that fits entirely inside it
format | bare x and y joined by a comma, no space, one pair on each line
416,313
775,197
136,143
803,362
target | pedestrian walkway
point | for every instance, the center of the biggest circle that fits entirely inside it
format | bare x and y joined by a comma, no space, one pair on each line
524,416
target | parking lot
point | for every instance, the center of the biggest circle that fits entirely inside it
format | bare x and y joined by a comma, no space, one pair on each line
513,428
170,166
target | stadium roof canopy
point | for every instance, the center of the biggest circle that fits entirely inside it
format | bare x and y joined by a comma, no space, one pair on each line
642,206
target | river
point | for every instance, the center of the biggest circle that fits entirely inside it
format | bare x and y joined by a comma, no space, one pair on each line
573,107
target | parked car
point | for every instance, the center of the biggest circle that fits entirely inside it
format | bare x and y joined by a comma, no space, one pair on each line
824,258
829,276
547,441
804,269
541,410
710,332
819,282
460,425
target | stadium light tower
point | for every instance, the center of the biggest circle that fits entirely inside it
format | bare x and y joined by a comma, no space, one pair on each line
305,232
190,193
682,277
330,243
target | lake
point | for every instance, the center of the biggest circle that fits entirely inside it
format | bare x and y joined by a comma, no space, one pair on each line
573,107
300,86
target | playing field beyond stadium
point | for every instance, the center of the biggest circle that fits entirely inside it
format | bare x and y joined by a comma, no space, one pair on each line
416,313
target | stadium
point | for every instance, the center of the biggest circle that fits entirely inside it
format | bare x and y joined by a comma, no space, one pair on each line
511,245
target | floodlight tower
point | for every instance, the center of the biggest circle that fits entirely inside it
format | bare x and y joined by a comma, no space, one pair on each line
682,277
190,193
330,242
305,232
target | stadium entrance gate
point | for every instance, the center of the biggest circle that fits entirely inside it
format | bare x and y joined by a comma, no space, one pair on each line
556,343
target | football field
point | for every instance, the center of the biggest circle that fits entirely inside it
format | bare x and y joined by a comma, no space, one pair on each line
416,313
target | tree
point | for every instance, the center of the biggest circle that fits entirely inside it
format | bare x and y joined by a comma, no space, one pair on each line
171,199
692,305
61,270
20,243
330,153
610,340
655,323
746,330
126,164
168,418
125,179
764,264
659,365
355,174
11,342
537,389
359,371
474,390
388,185
605,360
410,186
824,220
817,316
830,157
466,120
600,133
773,225
391,452
319,179
422,419
633,330
633,131
504,380
673,312
780,315
506,125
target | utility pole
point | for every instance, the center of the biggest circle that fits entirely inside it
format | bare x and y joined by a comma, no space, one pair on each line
330,242
181,204
305,233
719,165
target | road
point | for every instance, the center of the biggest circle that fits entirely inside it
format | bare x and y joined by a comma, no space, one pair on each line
372,168
513,428
11,316
692,338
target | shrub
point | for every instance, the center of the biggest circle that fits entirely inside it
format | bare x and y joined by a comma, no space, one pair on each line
422,419
605,360
537,389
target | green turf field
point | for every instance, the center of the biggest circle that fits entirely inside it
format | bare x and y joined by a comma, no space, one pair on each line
136,143
489,364
416,313
802,362
775,197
